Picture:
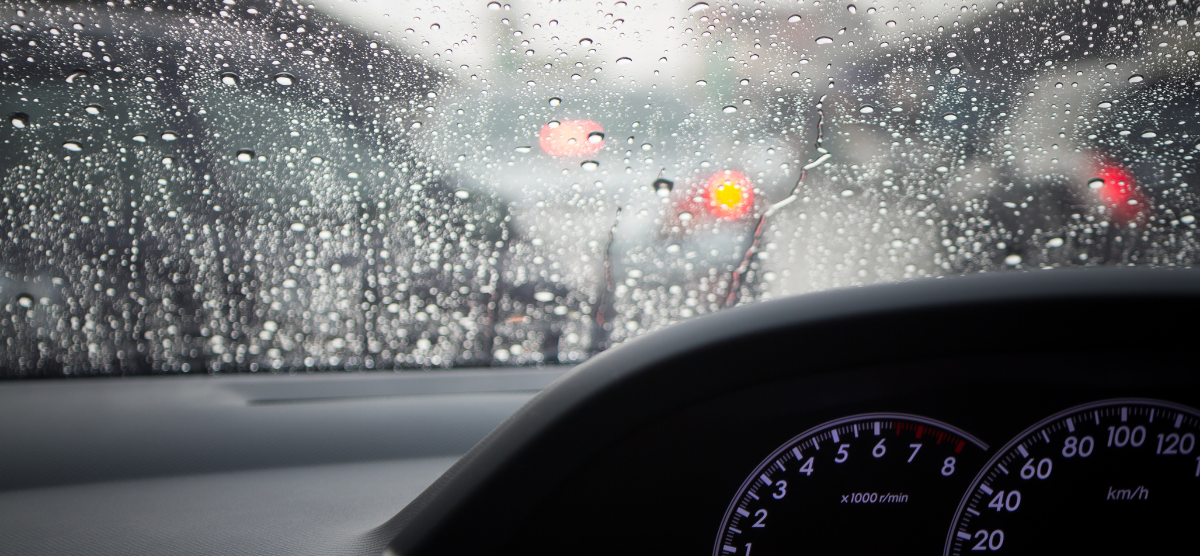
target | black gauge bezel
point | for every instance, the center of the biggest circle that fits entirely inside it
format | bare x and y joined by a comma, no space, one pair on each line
620,393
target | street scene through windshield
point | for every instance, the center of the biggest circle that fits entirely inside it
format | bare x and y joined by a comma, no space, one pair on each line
253,186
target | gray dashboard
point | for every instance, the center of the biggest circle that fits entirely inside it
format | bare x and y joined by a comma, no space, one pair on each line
270,465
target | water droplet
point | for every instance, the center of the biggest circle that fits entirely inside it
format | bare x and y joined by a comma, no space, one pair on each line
92,109
867,109
890,23
1064,37
624,60
462,194
493,5
139,138
1095,183
663,187
544,297
25,300
316,160
1055,242
1105,105
950,117
169,136
555,101
585,42
824,40
524,150
596,137
847,193
1110,66
72,146
435,27
951,54
1149,135
16,28
647,146
794,18
229,79
167,161
852,9
298,227
698,7
19,120
685,216
1188,219
553,124
701,83
589,165
1012,260
285,79
245,155
729,109
1135,78
77,74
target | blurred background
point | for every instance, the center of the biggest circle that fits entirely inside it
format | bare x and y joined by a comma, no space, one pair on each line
246,186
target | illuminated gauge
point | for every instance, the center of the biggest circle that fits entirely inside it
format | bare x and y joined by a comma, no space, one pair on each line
880,483
1112,477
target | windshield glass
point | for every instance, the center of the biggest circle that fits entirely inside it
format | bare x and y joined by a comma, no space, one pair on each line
239,185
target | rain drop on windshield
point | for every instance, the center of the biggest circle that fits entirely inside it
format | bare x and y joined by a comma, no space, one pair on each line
395,185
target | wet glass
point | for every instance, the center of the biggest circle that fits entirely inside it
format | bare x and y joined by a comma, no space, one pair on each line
227,186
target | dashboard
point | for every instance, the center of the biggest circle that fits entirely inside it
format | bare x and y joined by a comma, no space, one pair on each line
1037,413
1022,412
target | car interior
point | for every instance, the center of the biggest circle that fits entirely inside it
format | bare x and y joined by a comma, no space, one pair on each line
393,278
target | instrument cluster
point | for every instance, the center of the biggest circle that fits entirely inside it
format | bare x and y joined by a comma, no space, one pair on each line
1040,413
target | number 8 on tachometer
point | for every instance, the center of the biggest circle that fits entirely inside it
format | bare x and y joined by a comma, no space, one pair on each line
862,485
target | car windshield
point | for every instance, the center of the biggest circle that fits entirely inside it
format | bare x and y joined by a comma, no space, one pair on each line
244,185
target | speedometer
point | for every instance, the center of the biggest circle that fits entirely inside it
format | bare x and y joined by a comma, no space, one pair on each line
1111,477
880,483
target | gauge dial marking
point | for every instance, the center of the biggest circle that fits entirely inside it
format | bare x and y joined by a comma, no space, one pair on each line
1118,475
909,466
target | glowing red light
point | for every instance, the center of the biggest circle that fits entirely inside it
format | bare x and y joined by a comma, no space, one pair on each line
1120,192
571,138
729,194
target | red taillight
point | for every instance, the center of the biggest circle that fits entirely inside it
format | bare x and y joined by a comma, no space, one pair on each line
729,194
1117,189
571,138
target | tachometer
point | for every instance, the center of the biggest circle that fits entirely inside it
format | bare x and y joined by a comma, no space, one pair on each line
870,484
1111,477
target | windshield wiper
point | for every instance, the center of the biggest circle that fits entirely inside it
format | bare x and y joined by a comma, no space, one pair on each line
605,310
743,268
